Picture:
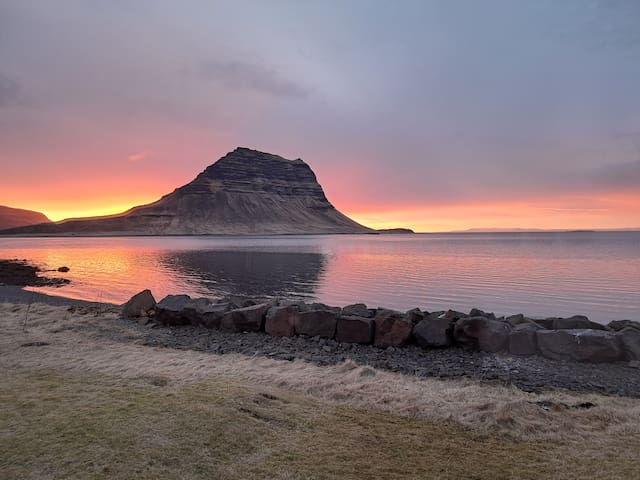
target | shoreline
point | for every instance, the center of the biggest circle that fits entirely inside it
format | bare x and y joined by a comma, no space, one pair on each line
534,374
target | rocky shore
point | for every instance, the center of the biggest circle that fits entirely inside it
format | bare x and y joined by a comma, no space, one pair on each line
21,273
579,355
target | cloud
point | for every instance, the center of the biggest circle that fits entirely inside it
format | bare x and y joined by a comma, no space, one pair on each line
9,92
136,157
246,76
619,175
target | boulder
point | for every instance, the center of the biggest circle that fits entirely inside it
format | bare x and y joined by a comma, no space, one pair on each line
576,322
352,329
522,339
516,319
618,325
476,312
546,323
483,333
392,329
433,332
280,321
139,305
201,311
630,339
323,306
170,310
453,315
247,319
320,323
192,307
414,316
358,310
583,345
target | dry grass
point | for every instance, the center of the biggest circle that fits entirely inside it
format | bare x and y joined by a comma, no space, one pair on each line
80,408
86,426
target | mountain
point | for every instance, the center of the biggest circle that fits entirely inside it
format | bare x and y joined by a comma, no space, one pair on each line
244,192
17,217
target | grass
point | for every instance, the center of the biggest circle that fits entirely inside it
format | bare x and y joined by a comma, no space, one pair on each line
70,425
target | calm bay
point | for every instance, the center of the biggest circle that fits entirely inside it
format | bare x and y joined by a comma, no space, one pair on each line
539,274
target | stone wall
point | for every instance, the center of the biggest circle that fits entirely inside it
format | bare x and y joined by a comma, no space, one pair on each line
574,338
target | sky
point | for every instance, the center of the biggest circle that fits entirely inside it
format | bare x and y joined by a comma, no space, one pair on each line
434,114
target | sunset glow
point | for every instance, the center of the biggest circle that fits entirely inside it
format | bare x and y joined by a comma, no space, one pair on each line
457,121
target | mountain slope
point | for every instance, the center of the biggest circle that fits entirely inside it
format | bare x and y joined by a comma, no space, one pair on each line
245,192
17,217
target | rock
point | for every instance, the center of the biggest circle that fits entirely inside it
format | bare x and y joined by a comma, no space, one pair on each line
320,323
353,329
576,322
546,323
453,315
523,339
482,333
247,319
202,312
433,332
139,305
476,312
630,339
280,321
583,345
170,310
517,319
358,310
414,316
192,308
392,329
63,269
325,307
618,325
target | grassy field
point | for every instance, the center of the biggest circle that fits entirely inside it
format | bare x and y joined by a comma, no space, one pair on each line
67,425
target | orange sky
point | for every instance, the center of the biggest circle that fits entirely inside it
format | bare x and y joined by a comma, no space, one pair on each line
569,211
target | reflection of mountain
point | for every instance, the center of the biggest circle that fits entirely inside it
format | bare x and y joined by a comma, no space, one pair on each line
251,273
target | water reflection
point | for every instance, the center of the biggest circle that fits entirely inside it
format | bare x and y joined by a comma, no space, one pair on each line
251,273
545,274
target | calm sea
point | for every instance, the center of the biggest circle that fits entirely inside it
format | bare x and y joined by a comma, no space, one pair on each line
540,274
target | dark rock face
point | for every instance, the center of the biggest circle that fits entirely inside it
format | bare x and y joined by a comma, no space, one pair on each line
576,322
139,305
414,316
247,319
316,323
618,325
170,310
630,338
392,329
280,321
523,339
201,311
352,329
358,310
580,345
434,331
245,192
485,334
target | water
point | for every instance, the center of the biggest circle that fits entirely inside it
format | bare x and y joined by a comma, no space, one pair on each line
540,274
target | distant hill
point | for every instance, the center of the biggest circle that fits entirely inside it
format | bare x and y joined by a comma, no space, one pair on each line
244,192
17,217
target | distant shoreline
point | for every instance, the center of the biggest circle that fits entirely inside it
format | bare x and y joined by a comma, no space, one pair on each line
381,233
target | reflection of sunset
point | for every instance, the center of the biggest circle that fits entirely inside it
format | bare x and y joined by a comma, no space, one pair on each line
541,273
